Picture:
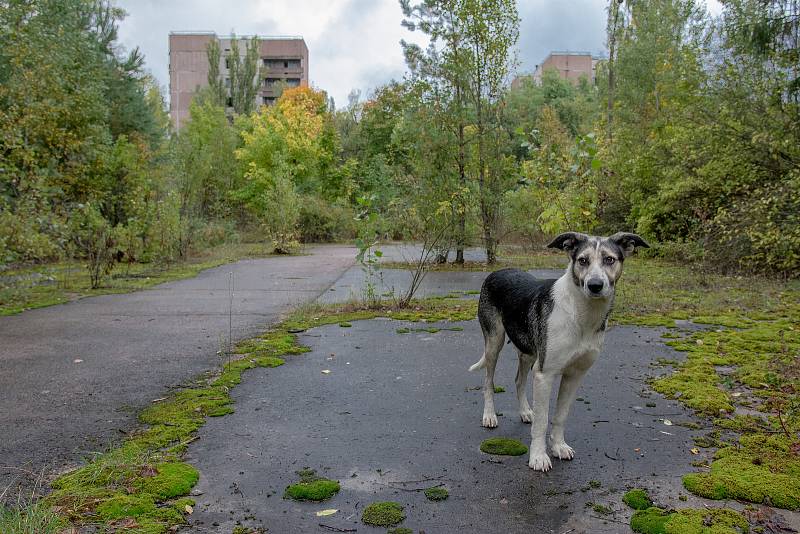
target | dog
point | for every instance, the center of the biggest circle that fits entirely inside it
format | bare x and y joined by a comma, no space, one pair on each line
557,327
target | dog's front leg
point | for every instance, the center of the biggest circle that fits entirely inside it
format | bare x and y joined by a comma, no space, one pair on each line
566,396
542,387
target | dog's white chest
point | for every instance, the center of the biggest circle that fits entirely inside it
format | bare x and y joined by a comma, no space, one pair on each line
571,341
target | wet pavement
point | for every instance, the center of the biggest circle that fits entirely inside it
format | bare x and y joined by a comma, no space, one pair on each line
74,376
400,412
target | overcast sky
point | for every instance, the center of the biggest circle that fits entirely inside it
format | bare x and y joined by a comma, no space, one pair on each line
353,44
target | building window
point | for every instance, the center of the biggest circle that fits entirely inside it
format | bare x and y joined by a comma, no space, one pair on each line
293,82
268,100
227,82
227,63
270,82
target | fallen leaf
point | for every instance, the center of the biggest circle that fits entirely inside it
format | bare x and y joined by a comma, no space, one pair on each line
695,450
636,450
667,422
329,511
699,341
503,501
665,432
326,371
736,394
77,360
188,509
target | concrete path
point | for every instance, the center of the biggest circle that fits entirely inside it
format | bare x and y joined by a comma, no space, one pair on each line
73,376
400,412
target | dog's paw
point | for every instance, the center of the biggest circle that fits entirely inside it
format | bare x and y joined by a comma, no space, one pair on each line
526,416
562,451
489,420
540,462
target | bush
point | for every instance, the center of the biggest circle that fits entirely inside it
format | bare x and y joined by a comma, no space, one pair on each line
22,240
321,222
214,233
93,238
759,233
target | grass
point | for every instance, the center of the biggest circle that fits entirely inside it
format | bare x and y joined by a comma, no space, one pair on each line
503,446
35,518
383,514
45,285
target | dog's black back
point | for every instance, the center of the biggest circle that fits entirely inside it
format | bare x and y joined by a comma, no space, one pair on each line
523,303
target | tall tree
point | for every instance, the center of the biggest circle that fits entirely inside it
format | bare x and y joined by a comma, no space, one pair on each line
216,84
490,29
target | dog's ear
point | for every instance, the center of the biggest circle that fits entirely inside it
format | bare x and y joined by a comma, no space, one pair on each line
568,241
628,242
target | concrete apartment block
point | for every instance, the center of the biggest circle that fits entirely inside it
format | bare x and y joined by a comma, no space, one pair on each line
283,63
570,66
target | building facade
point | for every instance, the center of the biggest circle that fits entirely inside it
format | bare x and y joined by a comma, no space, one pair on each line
283,63
570,66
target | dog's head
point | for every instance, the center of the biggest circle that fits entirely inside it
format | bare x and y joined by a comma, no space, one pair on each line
596,262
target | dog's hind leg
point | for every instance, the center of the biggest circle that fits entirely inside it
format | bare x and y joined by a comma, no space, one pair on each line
494,335
525,363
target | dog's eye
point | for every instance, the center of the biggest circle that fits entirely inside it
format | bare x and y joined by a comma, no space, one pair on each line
583,262
608,260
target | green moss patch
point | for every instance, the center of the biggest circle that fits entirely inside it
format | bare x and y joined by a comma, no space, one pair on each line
437,493
383,514
311,487
400,530
345,324
707,521
761,469
503,446
170,480
638,499
499,389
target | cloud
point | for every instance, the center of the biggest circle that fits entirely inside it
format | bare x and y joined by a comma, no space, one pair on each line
353,44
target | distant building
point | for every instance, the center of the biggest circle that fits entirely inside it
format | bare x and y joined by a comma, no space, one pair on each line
570,66
284,61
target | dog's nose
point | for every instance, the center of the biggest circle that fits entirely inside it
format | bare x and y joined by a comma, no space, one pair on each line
595,286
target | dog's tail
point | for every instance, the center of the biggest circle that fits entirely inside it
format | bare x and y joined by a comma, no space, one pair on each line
480,364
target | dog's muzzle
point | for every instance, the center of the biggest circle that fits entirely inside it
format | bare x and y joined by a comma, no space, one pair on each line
595,286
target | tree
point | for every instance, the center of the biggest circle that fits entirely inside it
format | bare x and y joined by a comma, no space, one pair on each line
490,29
245,75
216,85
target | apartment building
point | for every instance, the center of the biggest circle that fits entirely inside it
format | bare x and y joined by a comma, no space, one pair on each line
284,63
570,65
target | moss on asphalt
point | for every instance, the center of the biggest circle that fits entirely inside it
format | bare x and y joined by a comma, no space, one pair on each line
311,487
383,514
638,499
437,493
503,446
144,479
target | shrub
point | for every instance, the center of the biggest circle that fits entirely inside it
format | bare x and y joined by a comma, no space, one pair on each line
22,239
320,221
92,236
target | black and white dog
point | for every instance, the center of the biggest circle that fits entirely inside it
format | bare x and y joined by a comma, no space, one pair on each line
557,327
